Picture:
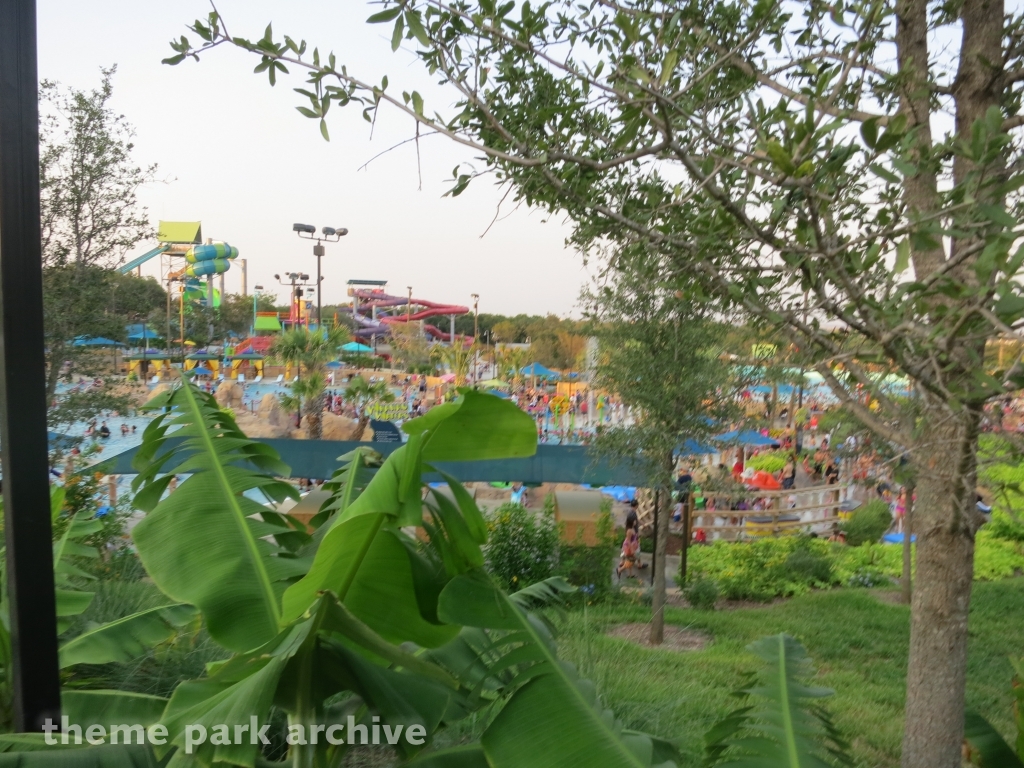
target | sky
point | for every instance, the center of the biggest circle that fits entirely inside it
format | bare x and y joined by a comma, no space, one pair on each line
235,154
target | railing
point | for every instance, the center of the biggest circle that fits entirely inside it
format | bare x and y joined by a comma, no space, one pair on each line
816,509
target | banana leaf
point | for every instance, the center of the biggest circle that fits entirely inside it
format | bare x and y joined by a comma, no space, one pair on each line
781,722
108,708
21,752
127,638
987,748
552,717
360,560
204,544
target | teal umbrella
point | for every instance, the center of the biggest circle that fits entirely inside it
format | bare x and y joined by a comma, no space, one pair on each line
355,346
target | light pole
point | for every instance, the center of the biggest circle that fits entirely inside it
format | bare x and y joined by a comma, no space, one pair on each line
255,297
408,307
327,234
476,331
297,281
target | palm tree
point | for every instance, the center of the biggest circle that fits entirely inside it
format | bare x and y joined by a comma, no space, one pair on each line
362,393
457,356
510,362
310,351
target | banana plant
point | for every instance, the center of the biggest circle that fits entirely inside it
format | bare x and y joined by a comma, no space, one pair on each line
360,619
781,723
986,748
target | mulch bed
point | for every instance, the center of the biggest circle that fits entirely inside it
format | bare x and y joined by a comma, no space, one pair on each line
676,638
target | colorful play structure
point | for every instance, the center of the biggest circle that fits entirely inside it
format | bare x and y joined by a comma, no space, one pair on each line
185,259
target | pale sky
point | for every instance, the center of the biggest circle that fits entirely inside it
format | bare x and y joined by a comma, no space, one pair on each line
237,156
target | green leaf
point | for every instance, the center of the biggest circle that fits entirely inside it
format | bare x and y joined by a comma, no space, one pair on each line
869,131
202,544
417,102
386,15
780,157
28,750
668,67
902,257
998,215
469,756
212,701
71,602
127,638
323,130
106,708
884,173
412,20
786,727
988,749
397,34
476,426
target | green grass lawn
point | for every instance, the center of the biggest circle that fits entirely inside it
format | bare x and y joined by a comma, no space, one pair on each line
858,642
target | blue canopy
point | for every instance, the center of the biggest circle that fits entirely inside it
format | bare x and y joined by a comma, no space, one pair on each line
745,437
691,447
536,369
201,370
95,341
355,346
139,331
621,493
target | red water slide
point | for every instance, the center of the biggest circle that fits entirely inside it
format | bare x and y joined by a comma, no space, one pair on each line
370,299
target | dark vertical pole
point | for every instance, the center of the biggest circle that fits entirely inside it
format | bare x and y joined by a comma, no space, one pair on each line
654,535
26,487
318,251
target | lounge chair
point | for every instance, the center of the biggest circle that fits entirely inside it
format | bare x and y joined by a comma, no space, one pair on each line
240,378
258,379
280,378
156,380
295,379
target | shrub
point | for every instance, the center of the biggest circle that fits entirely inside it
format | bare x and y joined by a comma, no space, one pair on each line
1003,526
763,569
522,546
590,568
996,558
770,461
868,523
812,567
702,594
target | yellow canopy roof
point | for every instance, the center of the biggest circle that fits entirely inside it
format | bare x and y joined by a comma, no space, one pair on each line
180,232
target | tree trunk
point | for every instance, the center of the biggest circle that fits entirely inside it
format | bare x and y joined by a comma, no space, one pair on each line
360,428
315,417
908,516
660,535
947,519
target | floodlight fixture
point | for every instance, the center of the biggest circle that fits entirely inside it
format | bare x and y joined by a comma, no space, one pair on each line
309,229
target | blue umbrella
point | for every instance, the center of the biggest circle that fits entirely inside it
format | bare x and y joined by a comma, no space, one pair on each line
95,341
536,369
334,364
201,370
691,447
745,437
139,332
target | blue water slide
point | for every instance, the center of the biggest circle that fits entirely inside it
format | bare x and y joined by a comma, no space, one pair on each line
136,263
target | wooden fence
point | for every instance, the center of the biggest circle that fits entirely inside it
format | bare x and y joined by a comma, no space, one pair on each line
816,509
